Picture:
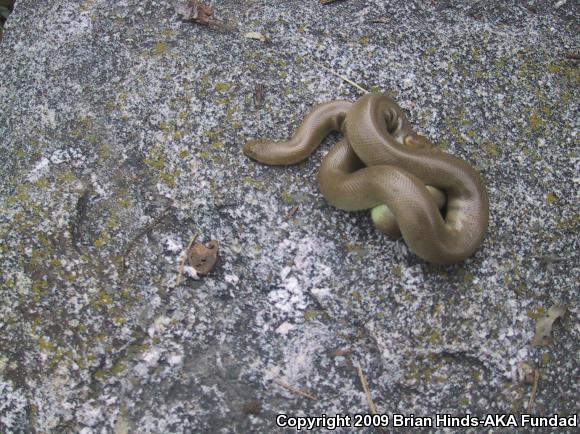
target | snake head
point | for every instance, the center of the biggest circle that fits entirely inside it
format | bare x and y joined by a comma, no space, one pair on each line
281,153
253,149
263,151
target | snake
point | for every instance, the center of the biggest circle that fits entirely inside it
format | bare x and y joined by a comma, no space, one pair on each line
435,201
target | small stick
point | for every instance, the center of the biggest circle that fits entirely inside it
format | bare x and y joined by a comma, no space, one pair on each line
131,243
380,20
259,95
534,390
294,390
365,386
342,77
326,2
183,259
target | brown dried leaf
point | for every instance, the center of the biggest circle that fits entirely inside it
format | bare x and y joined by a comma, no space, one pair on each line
193,10
544,325
203,258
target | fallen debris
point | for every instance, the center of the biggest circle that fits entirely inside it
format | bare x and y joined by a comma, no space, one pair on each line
256,36
294,390
203,258
133,241
544,325
190,272
380,20
291,213
532,399
259,95
193,10
525,373
365,386
370,402
183,259
341,352
342,77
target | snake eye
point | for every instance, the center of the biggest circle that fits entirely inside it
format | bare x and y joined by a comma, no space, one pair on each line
248,149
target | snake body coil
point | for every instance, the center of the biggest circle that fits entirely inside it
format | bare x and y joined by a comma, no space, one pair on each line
383,165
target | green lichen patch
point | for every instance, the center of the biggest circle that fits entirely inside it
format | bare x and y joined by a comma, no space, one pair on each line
223,87
160,48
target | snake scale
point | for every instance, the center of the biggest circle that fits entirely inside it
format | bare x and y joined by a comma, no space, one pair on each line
436,201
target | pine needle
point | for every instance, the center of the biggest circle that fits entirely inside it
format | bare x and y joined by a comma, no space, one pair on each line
294,390
342,77
365,386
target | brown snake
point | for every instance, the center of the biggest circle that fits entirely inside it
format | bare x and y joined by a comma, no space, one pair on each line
383,165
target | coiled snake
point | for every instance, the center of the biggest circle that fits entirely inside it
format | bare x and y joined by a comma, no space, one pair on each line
436,201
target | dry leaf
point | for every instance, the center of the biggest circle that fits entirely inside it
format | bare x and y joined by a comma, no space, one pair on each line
544,325
203,258
193,10
255,35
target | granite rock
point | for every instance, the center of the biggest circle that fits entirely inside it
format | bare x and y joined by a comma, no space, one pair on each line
121,128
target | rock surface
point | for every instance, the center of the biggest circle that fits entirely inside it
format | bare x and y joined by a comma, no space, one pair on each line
121,128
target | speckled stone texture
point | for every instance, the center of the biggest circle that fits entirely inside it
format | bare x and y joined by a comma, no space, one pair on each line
121,129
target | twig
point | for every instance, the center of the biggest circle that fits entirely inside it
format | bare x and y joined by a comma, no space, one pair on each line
380,20
365,386
183,259
259,95
133,241
326,2
532,399
294,390
342,77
